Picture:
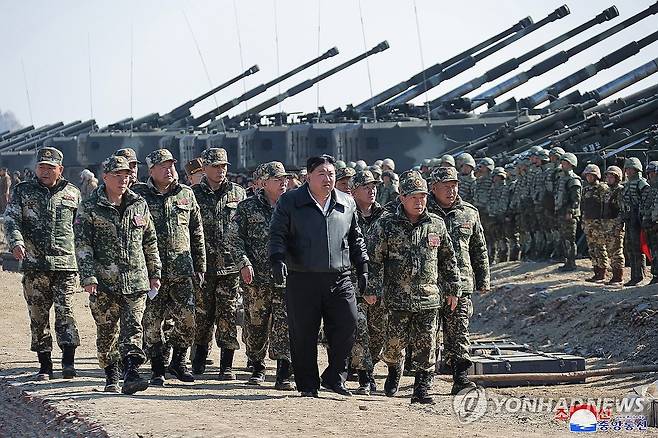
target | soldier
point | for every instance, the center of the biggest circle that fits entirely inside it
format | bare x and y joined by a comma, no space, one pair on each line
388,190
117,251
540,159
463,224
217,300
387,164
266,319
649,224
567,208
302,175
593,200
5,188
376,173
343,177
613,223
466,177
482,198
498,209
517,211
88,183
194,171
633,194
425,169
371,314
177,219
413,263
551,172
39,231
130,155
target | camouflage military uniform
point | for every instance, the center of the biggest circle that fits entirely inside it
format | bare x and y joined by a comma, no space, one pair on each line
649,224
613,227
177,219
117,250
248,239
466,186
481,201
414,264
498,208
527,205
593,199
217,302
541,236
567,211
41,220
633,194
388,192
463,224
551,173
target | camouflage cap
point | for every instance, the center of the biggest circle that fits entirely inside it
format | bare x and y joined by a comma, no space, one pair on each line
115,163
570,158
345,172
616,171
652,166
214,156
412,182
258,172
389,163
535,149
50,156
128,153
362,178
633,163
273,169
376,170
444,174
543,155
193,166
467,158
448,159
592,169
159,156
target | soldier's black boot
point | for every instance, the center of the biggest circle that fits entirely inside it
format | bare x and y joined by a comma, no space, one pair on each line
178,367
258,374
132,382
392,382
226,364
422,384
637,270
460,377
283,381
112,376
351,372
364,383
46,366
157,366
68,362
199,361
371,380
166,353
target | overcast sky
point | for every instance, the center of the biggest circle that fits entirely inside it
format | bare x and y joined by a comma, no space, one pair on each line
58,43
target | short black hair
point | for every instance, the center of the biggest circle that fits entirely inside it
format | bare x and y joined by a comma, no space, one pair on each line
314,162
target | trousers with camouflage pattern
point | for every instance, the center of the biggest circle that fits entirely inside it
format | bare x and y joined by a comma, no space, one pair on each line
415,329
266,322
217,303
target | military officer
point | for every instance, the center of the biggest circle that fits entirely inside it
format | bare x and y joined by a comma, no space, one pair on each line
593,199
567,208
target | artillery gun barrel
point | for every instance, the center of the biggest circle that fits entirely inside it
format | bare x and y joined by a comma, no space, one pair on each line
307,84
437,68
514,63
607,90
470,61
623,102
261,88
16,132
629,142
58,132
553,61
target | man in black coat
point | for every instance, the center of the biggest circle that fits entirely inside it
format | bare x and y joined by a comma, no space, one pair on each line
314,242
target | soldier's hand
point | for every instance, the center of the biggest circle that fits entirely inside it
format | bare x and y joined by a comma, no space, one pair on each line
279,272
451,301
247,274
155,283
91,289
200,276
370,299
19,252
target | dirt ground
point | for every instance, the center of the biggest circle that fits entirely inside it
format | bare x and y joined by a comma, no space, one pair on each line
529,303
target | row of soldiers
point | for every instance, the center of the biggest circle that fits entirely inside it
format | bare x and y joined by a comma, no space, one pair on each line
189,247
531,210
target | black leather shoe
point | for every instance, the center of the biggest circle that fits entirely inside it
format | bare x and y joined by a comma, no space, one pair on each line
338,388
313,394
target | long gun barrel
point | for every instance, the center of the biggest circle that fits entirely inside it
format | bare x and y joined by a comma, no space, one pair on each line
554,61
261,88
514,63
607,90
437,68
184,110
306,84
470,61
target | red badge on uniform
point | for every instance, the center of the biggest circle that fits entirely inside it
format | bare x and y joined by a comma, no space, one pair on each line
434,240
183,201
139,220
69,197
